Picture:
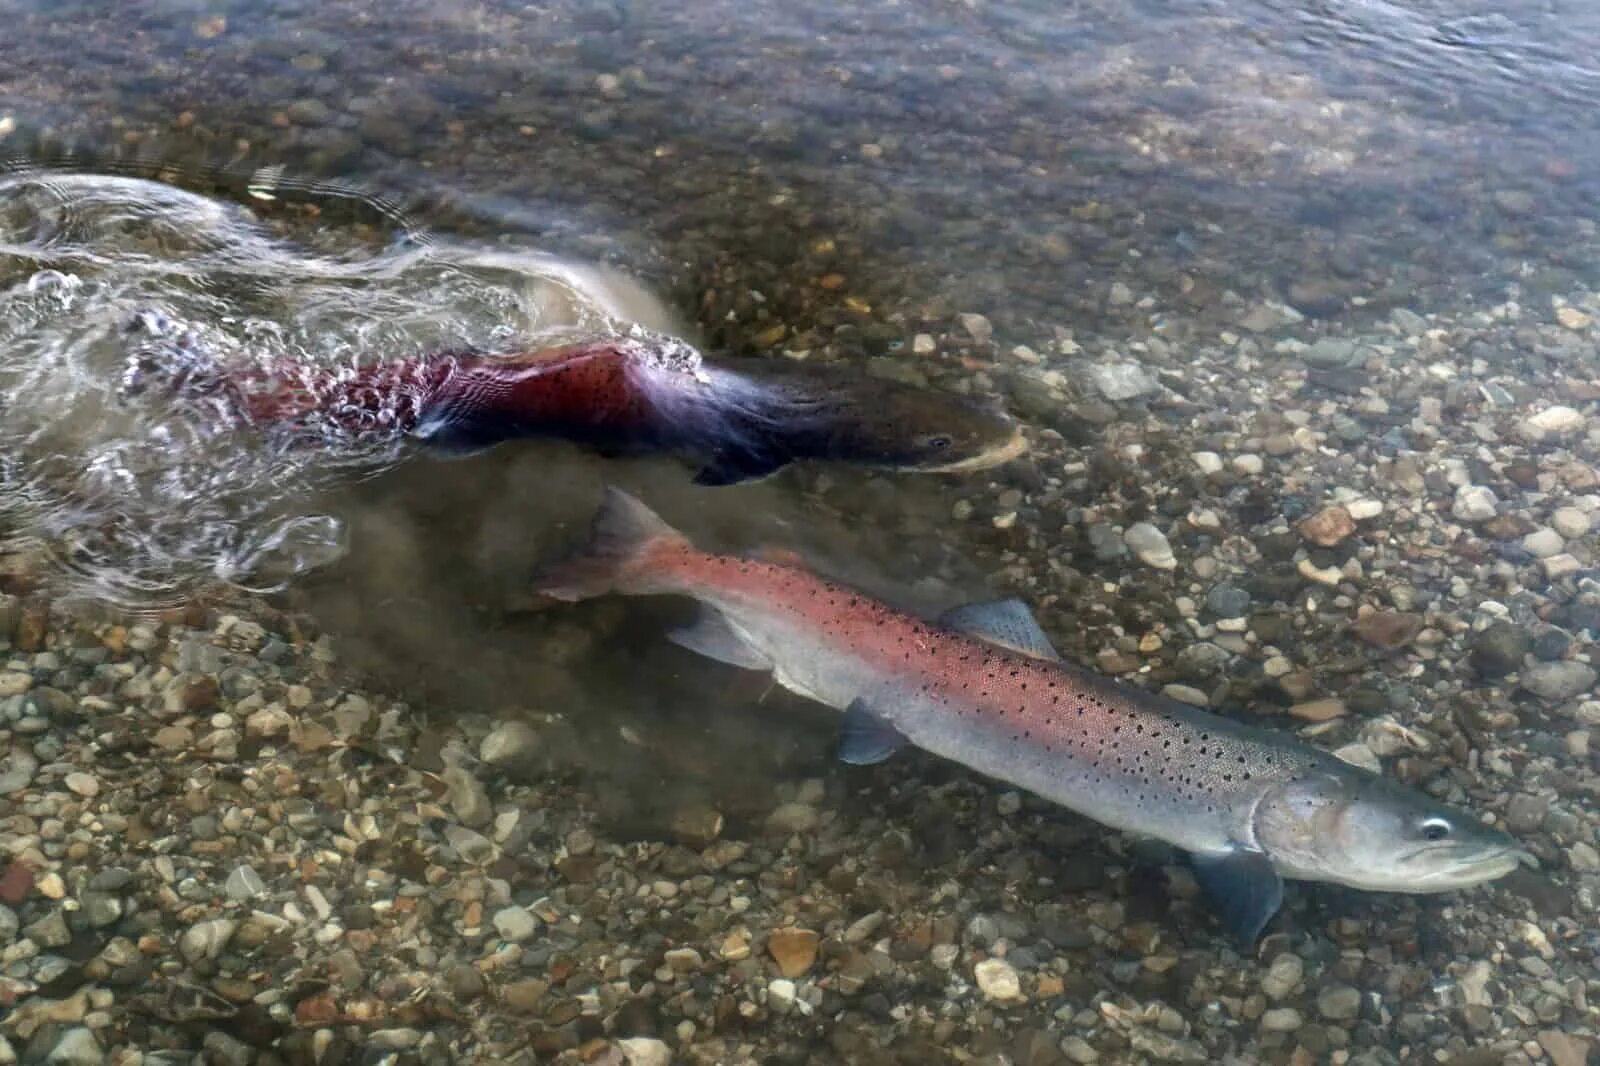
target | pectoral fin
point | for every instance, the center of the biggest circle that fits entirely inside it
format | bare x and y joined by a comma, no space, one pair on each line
1244,887
1007,623
866,738
711,635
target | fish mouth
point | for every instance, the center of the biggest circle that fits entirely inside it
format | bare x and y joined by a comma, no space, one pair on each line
1011,448
1471,869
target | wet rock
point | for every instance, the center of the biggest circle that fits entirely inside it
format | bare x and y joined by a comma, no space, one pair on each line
1228,601
1558,420
1122,381
49,931
1149,545
976,326
997,980
1389,630
515,924
1332,353
1474,503
1202,661
645,1051
1328,527
1339,1003
205,940
794,950
468,798
793,818
510,744
1570,522
244,883
1543,543
1499,649
1322,710
76,1047
1559,680
1283,976
1281,1020
1525,813
1564,1049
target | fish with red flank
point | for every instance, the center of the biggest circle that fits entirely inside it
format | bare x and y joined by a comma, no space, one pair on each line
636,394
983,687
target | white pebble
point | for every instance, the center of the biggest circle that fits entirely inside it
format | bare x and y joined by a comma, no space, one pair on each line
1208,462
1248,463
997,980
1570,522
1543,543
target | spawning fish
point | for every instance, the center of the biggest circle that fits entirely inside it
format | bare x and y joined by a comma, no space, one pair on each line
633,394
984,688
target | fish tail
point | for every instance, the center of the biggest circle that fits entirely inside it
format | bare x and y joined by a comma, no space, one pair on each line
626,542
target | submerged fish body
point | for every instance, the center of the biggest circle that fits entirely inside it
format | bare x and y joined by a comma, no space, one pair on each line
618,395
983,688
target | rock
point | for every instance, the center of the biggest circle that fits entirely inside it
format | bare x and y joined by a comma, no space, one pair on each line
1228,601
1328,527
224,1050
793,818
1149,545
1474,503
1339,1003
1389,630
683,960
468,798
1570,522
244,884
308,112
645,1051
1079,1050
1563,1048
205,940
794,950
515,924
14,683
76,1047
1322,710
524,997
49,931
510,743
1559,566
1525,813
1558,420
997,980
1559,680
101,909
1283,976
1499,649
696,826
1122,381
780,994
976,326
1332,353
1543,543
1249,464
1281,1020
83,784
1120,295
1201,661
1208,462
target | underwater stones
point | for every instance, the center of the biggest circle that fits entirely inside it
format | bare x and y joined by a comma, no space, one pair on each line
1122,381
998,981
1498,650
1543,543
794,950
509,744
1474,503
1558,680
1150,546
1328,527
1389,630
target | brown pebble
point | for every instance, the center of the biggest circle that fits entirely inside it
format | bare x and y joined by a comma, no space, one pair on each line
32,627
1322,710
1389,630
1564,1050
1328,526
201,694
16,883
795,950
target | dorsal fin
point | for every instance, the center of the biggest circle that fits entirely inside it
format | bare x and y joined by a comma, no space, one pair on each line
1007,623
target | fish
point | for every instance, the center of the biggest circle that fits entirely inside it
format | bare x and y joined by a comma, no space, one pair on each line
633,394
982,686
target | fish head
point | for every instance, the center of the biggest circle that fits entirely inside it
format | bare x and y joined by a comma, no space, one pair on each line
1349,827
923,430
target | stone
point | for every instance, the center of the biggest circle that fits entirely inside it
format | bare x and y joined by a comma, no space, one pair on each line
1283,976
1332,353
1339,1003
205,940
1559,680
76,1047
1543,543
83,784
468,798
1474,503
645,1051
1499,649
49,931
780,994
1564,1049
1389,630
1322,710
794,950
1122,381
997,980
510,743
1328,527
1570,522
1149,545
1558,420
1281,1020
515,924
1207,462
1228,601
244,884
793,818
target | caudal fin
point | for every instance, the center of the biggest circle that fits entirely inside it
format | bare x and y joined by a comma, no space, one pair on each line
625,538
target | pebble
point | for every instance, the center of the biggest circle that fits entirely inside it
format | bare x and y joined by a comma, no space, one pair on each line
1559,680
1227,601
1079,1050
1207,462
83,784
76,1047
645,1051
793,818
780,994
1322,710
794,950
997,980
205,940
1499,649
1281,1020
244,883
512,743
1543,543
515,924
1558,420
1249,464
468,798
1570,522
1474,503
1122,381
1339,1003
1283,976
1149,545
1328,527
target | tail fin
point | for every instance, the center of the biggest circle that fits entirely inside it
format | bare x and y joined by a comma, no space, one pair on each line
624,537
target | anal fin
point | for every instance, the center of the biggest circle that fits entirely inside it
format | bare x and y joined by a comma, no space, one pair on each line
1005,623
866,738
1244,887
712,636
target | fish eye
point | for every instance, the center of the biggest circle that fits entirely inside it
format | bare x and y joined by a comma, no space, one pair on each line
1435,829
940,441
